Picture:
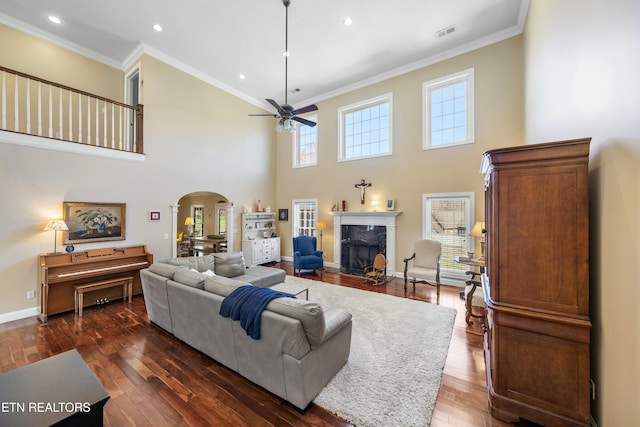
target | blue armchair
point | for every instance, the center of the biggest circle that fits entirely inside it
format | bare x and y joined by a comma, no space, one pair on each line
305,254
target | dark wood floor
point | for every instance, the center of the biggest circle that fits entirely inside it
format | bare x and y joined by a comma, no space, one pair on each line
155,380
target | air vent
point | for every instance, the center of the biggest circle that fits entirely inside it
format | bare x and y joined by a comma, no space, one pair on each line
445,31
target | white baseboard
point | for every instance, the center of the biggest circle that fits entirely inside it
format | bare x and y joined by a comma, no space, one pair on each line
20,314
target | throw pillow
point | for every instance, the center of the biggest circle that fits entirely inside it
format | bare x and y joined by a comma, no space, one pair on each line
164,270
189,278
229,264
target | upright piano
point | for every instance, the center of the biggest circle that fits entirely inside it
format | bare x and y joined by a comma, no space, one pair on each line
58,273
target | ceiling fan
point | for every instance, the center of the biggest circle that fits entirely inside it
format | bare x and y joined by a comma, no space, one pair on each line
285,112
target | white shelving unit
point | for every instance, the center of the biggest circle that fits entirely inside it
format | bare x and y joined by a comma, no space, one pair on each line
258,245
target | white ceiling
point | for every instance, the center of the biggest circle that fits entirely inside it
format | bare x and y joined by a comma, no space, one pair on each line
218,40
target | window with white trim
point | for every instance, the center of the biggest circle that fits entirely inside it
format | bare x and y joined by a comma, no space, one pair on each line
448,111
305,217
305,144
197,213
448,219
365,129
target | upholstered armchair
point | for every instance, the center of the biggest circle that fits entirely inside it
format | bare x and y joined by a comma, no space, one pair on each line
424,265
305,254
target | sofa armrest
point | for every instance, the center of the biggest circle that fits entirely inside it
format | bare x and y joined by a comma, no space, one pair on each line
335,319
318,253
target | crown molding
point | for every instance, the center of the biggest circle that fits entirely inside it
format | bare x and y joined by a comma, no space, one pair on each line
59,41
144,49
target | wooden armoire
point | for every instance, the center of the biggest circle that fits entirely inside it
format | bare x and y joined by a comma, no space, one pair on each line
536,282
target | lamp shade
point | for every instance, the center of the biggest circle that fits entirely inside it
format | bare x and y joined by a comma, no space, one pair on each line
321,225
56,225
188,221
477,229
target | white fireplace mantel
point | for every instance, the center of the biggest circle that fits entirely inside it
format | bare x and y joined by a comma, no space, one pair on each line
383,218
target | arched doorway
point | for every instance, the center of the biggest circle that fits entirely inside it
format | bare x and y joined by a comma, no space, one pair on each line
203,214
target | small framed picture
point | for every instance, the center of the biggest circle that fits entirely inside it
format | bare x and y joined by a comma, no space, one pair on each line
154,216
390,204
283,214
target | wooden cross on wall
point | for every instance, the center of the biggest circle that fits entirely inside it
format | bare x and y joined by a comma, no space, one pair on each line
362,186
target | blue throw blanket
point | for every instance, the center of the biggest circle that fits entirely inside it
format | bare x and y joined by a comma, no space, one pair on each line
246,304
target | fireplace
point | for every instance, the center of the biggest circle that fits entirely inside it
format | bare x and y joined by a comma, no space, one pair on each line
359,245
360,236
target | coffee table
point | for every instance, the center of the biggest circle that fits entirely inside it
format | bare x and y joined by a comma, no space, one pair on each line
59,390
288,288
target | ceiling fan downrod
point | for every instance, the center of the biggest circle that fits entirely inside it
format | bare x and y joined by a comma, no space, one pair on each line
286,4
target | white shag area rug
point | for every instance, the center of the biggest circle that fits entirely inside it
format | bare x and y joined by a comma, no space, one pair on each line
398,351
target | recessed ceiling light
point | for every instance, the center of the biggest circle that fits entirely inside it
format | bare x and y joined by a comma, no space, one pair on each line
242,76
158,28
347,21
55,19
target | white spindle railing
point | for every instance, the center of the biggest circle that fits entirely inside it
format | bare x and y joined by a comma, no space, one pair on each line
119,122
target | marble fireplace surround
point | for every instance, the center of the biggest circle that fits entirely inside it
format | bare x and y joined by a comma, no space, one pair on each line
387,219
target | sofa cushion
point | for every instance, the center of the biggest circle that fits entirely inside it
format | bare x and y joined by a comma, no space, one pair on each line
221,285
309,313
229,264
264,277
200,263
164,270
189,277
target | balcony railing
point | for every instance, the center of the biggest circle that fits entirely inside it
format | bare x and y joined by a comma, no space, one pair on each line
33,106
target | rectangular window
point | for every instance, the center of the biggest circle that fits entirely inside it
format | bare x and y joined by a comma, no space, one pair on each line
448,218
197,213
305,145
448,106
305,217
365,129
221,215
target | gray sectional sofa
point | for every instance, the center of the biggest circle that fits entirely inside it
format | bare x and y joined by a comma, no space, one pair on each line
301,346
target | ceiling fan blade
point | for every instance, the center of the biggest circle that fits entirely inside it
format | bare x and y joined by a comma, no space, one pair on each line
277,106
304,121
306,109
269,115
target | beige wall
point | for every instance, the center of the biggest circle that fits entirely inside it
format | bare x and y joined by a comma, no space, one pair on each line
49,62
197,138
411,171
581,80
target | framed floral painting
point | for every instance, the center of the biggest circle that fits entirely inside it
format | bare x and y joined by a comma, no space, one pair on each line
94,222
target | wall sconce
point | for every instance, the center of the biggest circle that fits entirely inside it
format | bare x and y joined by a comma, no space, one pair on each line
189,223
321,225
478,231
55,225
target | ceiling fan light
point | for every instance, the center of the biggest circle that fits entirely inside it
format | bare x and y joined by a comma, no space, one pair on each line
279,126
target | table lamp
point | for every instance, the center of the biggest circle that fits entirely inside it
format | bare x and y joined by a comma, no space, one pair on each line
478,231
55,225
189,223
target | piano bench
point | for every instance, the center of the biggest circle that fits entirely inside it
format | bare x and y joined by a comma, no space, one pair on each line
125,281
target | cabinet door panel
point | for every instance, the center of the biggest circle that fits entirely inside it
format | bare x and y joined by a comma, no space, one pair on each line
542,239
546,372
